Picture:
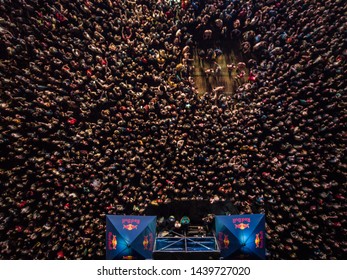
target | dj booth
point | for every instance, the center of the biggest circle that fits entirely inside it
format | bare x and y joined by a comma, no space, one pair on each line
233,237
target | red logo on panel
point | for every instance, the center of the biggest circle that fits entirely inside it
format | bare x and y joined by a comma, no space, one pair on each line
112,241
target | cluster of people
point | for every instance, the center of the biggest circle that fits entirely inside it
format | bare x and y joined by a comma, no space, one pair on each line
100,115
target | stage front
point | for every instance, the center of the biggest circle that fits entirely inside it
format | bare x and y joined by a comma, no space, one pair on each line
186,248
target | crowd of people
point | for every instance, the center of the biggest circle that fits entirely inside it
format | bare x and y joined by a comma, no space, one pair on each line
100,115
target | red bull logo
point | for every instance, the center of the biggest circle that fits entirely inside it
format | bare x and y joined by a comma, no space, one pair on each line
128,258
148,242
241,223
130,224
259,240
130,227
112,241
223,240
242,226
226,241
145,242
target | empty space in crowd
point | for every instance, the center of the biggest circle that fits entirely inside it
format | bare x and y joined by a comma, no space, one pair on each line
219,68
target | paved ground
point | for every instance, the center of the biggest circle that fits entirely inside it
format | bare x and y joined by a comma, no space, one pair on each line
230,55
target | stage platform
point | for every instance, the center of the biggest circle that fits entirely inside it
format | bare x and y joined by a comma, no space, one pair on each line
186,248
